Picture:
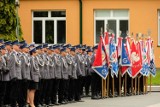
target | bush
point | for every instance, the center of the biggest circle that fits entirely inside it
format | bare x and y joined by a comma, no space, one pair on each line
8,20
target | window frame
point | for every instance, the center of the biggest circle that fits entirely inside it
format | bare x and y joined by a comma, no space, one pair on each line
43,19
110,18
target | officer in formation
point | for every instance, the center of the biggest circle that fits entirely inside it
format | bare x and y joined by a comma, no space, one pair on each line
45,75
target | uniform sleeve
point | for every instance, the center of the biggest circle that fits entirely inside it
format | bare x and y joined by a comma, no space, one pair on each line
79,72
11,63
0,63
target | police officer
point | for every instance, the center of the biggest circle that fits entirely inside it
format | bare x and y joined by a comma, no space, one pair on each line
81,69
15,75
35,77
88,72
51,81
58,73
63,86
25,69
45,74
7,76
73,91
95,78
38,93
4,71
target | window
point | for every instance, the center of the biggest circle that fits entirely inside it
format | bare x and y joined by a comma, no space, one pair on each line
116,20
49,27
159,28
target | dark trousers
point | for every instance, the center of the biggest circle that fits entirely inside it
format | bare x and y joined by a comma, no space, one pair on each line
116,84
141,84
77,89
66,88
16,95
88,84
44,91
71,90
48,91
129,79
63,90
7,93
2,92
25,84
55,90
38,93
94,84
82,84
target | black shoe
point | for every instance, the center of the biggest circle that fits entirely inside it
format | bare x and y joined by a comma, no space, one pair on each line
50,104
94,97
80,101
61,102
39,105
98,96
73,101
56,103
110,95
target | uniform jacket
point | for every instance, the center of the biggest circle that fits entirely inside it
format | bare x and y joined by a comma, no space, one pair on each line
25,66
15,66
64,68
58,66
35,74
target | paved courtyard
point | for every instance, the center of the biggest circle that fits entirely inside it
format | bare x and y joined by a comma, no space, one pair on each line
149,100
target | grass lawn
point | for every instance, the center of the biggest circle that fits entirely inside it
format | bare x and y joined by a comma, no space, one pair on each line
155,80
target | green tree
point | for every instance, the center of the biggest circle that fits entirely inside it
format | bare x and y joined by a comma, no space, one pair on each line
8,20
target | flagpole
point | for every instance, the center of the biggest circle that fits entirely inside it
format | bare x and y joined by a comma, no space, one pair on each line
146,90
125,84
144,80
138,84
103,80
149,33
144,84
120,83
108,91
150,83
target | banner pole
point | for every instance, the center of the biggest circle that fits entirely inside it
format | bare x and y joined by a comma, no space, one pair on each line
138,85
150,82
144,82
103,88
125,84
108,91
146,85
120,83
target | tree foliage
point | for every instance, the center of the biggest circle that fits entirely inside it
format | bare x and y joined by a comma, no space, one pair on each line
8,21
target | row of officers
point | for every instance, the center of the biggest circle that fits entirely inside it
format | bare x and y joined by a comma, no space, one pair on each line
45,75
41,76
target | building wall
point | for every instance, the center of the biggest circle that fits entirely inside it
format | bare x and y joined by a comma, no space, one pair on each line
143,15
72,16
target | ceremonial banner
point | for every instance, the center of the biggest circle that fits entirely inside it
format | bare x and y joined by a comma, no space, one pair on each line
106,43
119,45
150,55
113,57
145,66
136,59
99,65
125,61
